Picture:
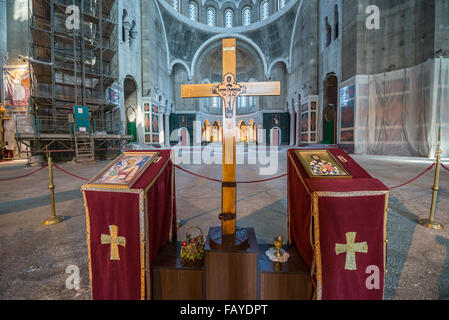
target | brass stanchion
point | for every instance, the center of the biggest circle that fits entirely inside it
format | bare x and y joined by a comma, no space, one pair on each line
430,223
54,219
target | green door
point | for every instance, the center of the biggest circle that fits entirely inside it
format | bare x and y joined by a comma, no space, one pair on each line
131,122
132,130
329,125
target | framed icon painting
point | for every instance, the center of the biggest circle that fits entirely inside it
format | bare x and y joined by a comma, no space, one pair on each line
321,164
124,171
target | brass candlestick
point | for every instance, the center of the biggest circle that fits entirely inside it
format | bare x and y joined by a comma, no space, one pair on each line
278,243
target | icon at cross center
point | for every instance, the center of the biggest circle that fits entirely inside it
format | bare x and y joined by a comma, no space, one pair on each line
229,90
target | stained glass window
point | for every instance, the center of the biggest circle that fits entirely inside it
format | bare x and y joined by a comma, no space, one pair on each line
246,16
264,10
193,11
215,102
282,4
229,17
175,4
211,16
243,102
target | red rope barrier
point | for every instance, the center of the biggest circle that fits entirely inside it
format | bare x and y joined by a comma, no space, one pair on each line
103,149
26,175
444,167
265,180
197,175
65,171
238,182
416,178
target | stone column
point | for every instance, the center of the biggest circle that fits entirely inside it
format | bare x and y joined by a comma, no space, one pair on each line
160,120
167,129
298,123
292,127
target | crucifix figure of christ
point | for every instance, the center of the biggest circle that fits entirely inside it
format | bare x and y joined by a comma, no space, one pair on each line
229,90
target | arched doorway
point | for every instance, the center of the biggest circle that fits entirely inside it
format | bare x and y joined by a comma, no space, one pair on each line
206,135
183,136
330,103
217,133
130,95
131,116
276,137
242,132
252,131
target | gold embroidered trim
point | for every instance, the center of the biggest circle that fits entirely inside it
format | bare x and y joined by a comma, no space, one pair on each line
289,235
299,174
88,244
142,243
172,201
335,194
157,176
387,197
317,249
87,188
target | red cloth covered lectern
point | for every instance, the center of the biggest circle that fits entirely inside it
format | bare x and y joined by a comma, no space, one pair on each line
340,228
130,215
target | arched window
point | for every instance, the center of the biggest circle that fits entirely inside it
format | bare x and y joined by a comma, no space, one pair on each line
215,102
193,11
336,22
125,24
243,102
211,16
229,18
175,5
264,10
328,32
246,16
281,4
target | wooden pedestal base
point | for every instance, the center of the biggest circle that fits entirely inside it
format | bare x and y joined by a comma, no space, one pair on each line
174,281
238,242
284,281
231,274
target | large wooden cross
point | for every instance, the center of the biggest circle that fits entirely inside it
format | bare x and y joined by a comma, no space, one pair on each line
229,90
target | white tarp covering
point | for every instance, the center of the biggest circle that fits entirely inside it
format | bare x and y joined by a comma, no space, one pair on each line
399,112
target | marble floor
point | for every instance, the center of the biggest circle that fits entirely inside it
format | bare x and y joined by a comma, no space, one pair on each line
35,258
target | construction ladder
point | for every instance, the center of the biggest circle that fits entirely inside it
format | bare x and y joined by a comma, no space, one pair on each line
84,147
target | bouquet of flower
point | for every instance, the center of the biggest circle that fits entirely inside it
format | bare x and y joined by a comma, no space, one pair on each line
192,251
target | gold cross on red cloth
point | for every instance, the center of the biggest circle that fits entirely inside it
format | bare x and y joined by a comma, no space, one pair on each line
351,248
114,241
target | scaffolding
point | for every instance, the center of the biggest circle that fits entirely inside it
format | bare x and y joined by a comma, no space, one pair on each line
72,60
